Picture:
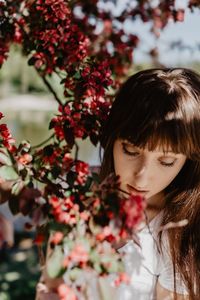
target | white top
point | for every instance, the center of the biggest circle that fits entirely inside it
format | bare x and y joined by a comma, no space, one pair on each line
146,265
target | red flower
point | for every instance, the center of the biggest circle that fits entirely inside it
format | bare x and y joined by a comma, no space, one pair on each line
4,49
57,237
18,34
25,159
7,139
106,234
39,240
180,15
82,170
84,215
122,278
66,293
132,210
79,254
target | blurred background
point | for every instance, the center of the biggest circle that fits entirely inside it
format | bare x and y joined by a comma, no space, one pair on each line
28,108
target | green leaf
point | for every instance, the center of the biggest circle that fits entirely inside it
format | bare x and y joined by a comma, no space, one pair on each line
75,274
13,204
96,177
107,292
77,75
55,263
56,171
89,194
69,135
25,146
5,159
110,262
97,268
8,173
95,229
31,61
17,187
71,177
48,150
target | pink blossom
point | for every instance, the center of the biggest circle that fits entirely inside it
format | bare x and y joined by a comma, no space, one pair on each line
57,237
66,293
79,254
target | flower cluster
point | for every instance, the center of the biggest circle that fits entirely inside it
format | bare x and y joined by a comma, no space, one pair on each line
80,120
96,77
9,27
6,138
3,51
59,43
6,32
130,211
66,293
83,117
64,210
53,160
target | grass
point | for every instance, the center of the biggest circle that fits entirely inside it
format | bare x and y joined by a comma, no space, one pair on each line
19,270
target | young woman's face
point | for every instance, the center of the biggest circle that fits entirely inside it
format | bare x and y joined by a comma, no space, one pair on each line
145,172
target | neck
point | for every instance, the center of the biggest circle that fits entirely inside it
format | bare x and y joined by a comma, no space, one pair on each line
154,205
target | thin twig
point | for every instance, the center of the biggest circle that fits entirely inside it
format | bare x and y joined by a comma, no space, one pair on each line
76,150
41,256
51,89
44,142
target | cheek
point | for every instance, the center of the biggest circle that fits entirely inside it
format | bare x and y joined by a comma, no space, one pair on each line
119,166
164,181
120,161
167,176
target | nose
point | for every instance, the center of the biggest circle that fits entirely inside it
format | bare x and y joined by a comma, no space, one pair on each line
141,175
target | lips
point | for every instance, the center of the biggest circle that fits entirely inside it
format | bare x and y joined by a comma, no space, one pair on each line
136,191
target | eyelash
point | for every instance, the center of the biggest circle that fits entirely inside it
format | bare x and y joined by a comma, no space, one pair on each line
128,152
133,154
167,164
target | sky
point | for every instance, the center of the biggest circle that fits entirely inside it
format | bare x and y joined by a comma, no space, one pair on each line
187,32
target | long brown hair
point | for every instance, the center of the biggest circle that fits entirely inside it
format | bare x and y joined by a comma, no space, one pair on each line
161,107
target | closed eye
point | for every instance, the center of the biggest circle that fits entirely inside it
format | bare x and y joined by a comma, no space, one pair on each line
167,164
128,152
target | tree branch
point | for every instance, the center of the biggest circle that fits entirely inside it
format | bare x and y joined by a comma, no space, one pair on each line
51,89
44,142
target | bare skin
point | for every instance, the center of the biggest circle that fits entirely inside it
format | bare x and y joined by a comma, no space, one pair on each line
164,294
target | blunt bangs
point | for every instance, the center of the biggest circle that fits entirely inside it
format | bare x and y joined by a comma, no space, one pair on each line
168,135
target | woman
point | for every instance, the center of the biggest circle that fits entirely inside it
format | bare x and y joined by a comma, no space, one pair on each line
151,139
